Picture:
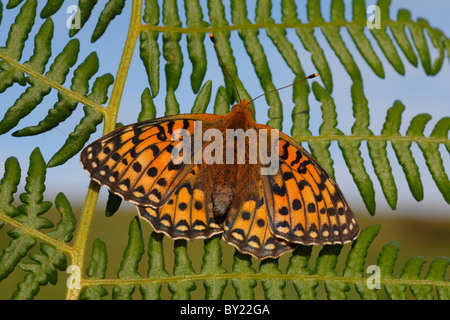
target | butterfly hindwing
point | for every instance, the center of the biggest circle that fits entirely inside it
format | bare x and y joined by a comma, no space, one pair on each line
188,213
247,226
304,203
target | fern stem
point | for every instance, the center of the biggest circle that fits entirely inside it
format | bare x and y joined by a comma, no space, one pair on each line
110,124
79,247
52,83
265,26
37,234
370,138
256,276
124,65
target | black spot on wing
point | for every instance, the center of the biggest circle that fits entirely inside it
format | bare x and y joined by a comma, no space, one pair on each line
155,150
297,158
161,135
278,190
285,155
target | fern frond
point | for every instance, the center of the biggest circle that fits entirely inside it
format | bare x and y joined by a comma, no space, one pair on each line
243,275
96,270
278,37
244,286
384,41
65,105
181,290
331,33
129,265
354,265
148,110
325,267
306,35
13,3
88,124
8,187
149,47
377,147
212,264
45,264
156,270
217,19
173,55
111,10
411,270
202,100
33,204
221,105
113,204
15,43
196,48
273,288
431,150
313,273
28,214
85,10
273,278
33,95
298,265
51,7
259,61
363,44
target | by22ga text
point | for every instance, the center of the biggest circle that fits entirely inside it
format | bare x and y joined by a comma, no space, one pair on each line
227,309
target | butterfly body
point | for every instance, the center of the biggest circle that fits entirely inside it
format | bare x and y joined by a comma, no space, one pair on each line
221,187
240,116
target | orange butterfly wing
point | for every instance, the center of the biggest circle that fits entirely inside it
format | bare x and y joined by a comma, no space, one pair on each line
135,161
305,205
247,225
188,213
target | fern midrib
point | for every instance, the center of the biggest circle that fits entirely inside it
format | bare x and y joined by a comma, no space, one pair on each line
124,66
35,233
391,138
51,83
283,25
110,114
253,276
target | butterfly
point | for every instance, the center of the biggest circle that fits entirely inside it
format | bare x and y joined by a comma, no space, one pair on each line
183,197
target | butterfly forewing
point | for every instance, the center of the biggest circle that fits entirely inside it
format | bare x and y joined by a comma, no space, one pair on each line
136,161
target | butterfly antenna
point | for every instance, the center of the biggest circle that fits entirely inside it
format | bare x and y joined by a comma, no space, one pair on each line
311,76
223,65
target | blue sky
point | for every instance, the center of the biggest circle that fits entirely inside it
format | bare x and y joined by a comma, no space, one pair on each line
420,94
